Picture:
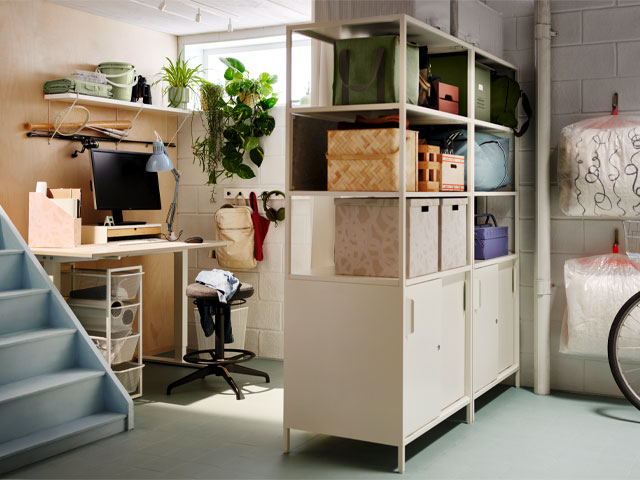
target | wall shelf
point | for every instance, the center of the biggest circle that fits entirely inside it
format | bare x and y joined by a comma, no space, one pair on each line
111,103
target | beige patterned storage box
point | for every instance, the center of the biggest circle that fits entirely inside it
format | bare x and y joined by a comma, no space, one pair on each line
367,160
422,236
453,233
366,242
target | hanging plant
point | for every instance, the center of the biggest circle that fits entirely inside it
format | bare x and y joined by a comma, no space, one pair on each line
179,79
235,122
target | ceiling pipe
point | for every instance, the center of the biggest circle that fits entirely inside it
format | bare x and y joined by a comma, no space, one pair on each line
542,284
453,17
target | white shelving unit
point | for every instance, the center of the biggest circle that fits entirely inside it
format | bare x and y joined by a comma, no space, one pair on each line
386,359
108,303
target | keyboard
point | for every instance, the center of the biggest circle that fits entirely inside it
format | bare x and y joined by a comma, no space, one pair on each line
139,241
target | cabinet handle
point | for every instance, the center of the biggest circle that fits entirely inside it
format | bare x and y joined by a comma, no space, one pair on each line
496,321
412,325
438,347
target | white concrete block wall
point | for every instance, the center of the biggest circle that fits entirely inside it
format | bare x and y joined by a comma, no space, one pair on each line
265,324
594,55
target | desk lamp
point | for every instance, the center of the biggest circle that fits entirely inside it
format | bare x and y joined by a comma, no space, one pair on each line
160,162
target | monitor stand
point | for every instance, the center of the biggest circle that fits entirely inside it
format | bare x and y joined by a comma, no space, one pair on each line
117,219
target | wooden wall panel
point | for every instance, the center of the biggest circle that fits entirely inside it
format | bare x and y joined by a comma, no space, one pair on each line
42,41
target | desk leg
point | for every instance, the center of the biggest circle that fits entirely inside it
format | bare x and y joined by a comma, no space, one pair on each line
180,302
52,268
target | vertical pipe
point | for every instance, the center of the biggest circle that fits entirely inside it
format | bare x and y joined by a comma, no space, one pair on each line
542,300
453,17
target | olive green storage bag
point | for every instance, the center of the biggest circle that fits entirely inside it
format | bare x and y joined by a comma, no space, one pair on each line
367,70
505,95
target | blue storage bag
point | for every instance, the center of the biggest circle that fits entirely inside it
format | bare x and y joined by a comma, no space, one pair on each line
491,158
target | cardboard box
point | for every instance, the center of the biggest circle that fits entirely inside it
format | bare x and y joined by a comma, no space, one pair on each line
51,225
447,97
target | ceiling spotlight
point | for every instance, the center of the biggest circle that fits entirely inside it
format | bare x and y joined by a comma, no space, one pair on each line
229,26
162,5
198,16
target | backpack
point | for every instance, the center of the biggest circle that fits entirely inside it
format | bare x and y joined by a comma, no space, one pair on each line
236,227
491,170
505,95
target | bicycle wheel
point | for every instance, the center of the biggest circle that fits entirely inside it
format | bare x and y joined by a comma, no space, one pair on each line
624,350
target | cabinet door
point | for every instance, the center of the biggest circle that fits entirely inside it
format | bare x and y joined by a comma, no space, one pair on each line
506,317
485,326
452,352
421,366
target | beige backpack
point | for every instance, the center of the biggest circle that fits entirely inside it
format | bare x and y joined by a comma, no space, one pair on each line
236,227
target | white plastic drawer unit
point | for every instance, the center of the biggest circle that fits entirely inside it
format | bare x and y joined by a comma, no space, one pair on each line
453,233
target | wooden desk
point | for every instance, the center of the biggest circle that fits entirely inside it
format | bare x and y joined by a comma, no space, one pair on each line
53,258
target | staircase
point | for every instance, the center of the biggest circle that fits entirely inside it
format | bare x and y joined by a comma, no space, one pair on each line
56,390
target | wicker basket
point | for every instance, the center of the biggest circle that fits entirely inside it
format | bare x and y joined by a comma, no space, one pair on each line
367,160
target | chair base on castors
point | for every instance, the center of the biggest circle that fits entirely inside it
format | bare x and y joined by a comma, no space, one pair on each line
220,367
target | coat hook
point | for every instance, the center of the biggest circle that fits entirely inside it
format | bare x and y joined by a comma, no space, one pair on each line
614,104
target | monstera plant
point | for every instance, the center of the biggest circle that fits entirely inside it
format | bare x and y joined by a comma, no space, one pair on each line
236,116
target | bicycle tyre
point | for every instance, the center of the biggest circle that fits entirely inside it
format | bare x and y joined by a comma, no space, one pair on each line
614,363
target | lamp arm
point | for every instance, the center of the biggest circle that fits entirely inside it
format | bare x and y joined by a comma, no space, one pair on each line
172,208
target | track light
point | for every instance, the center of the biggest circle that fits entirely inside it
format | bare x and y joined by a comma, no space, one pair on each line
162,5
198,16
229,26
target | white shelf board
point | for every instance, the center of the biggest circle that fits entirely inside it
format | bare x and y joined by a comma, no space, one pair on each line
492,127
502,376
495,194
438,194
340,194
444,414
495,261
437,275
417,32
489,59
347,113
111,103
328,274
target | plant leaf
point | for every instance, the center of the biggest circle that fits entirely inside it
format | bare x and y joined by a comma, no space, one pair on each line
250,143
233,63
264,77
228,73
245,171
271,102
257,156
241,112
272,79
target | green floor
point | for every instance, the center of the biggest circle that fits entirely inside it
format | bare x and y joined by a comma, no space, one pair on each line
201,431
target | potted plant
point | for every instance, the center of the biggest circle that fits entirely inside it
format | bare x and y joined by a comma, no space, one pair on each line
235,117
179,79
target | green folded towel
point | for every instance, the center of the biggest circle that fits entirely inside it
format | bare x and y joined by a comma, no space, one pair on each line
71,85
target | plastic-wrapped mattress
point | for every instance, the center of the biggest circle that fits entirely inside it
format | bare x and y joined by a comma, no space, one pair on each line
596,288
599,167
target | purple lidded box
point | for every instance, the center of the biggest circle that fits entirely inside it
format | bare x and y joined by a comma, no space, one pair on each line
491,241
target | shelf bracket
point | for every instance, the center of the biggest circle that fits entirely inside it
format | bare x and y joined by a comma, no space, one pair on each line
70,109
178,130
126,132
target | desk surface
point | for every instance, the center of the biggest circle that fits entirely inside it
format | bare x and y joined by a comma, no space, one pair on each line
98,251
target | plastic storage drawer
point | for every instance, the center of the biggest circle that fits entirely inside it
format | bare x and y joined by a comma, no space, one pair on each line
490,241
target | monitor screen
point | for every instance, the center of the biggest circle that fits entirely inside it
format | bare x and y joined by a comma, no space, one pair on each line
120,181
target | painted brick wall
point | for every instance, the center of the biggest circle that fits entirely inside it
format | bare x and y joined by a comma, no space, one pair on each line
595,54
195,216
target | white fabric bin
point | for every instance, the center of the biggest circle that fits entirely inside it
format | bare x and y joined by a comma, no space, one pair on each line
422,236
453,233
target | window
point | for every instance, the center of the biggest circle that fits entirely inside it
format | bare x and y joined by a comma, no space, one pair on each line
267,54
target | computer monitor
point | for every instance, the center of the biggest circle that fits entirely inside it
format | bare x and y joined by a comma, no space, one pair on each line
120,182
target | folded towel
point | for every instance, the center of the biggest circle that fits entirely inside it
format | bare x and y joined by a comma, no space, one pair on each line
71,85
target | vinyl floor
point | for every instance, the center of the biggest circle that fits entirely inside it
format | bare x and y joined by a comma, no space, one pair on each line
202,431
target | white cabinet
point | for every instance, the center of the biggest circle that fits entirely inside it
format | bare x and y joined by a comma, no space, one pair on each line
493,328
434,349
506,316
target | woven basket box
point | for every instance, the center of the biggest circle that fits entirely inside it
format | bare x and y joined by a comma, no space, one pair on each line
367,160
